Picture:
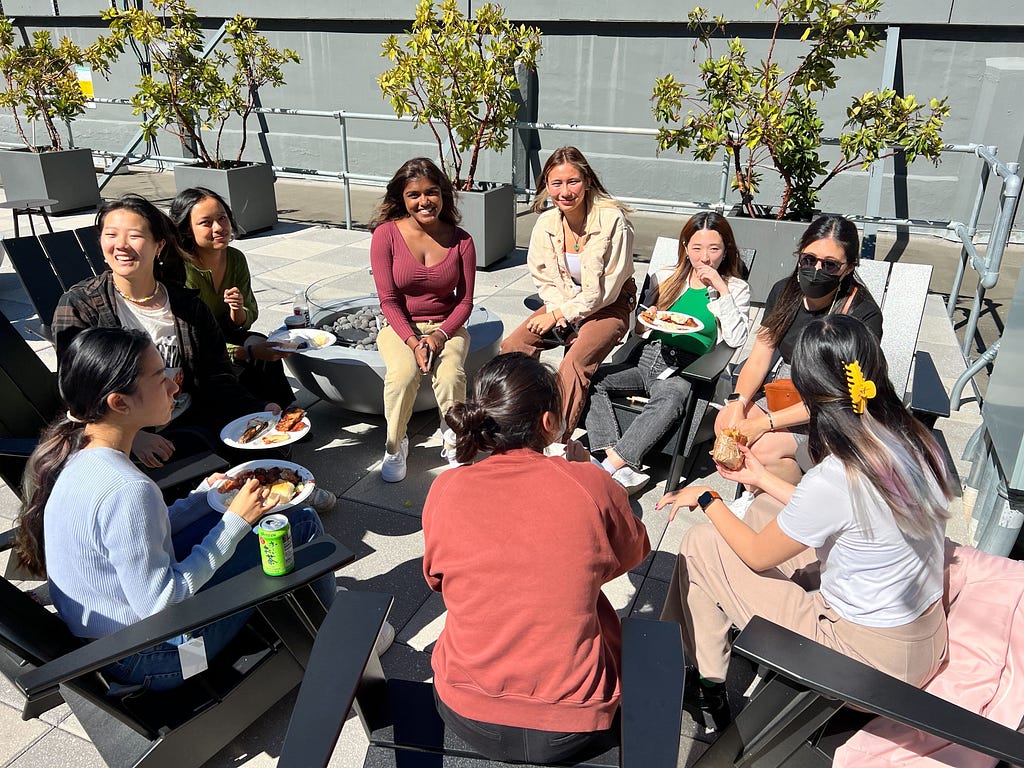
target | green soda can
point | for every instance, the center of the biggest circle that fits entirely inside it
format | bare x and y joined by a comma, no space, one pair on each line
276,550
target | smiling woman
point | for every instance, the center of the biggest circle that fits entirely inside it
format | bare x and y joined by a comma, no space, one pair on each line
205,227
424,267
581,259
144,290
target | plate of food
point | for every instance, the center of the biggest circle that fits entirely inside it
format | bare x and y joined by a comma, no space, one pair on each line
669,322
266,430
291,484
301,339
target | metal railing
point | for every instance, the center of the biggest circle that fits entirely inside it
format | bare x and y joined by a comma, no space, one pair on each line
987,265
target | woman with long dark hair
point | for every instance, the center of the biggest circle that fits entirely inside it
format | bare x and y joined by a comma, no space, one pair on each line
424,267
519,544
144,290
823,282
97,528
870,515
205,227
581,260
705,283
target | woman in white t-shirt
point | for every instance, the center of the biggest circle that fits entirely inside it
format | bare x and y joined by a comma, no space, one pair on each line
870,516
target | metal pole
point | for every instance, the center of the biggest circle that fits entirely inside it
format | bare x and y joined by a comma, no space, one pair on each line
345,169
956,393
876,175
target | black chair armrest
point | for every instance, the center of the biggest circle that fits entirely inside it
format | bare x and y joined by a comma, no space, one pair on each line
928,398
7,539
343,648
652,693
838,677
185,470
710,365
246,590
17,446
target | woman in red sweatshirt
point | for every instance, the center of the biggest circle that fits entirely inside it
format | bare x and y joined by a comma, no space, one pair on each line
519,544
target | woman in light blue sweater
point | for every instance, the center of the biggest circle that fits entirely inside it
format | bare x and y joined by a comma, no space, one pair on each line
97,527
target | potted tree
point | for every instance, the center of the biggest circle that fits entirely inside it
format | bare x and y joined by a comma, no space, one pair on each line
459,76
193,96
41,82
765,117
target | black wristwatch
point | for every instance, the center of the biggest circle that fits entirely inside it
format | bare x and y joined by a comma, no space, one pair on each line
734,397
705,499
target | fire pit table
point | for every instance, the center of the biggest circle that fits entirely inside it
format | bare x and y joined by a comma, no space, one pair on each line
350,373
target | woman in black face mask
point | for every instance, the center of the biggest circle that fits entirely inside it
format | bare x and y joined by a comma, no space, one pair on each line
823,282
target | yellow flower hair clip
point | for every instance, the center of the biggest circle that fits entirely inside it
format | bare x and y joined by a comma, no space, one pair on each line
861,389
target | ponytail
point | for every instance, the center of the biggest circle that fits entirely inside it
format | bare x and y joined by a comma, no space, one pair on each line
59,442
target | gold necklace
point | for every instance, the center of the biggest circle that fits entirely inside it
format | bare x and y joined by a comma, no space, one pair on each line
144,300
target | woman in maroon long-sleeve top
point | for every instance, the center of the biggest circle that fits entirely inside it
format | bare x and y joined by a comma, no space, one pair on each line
424,269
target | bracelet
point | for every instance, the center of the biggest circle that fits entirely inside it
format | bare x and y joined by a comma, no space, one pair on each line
771,422
443,333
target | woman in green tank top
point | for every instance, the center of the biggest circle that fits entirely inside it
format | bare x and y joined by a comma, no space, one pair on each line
704,284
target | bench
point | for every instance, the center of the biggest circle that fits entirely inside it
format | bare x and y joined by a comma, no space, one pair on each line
791,717
402,723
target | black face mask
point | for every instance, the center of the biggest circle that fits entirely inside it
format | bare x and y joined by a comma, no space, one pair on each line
815,283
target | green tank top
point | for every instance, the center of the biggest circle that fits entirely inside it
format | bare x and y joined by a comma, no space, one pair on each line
694,302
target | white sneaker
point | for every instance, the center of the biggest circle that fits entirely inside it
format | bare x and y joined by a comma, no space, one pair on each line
393,469
630,479
385,639
448,448
740,506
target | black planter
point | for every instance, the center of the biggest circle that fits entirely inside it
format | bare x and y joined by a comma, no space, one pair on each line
774,240
490,218
249,190
67,176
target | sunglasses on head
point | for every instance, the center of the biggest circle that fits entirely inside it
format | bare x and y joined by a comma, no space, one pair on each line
828,266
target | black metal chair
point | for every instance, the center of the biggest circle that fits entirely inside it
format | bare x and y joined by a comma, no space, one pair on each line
67,257
188,725
29,401
41,283
404,728
801,711
89,239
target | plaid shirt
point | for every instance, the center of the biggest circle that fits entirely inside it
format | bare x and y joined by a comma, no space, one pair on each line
207,372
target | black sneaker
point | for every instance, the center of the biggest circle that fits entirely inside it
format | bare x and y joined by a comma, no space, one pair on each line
707,704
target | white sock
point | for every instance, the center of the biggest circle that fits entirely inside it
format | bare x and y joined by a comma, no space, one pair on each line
607,465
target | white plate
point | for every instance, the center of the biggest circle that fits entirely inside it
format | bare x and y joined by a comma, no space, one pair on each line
660,325
216,499
313,337
233,431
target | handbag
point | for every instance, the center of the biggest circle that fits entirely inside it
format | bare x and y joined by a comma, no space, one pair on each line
781,393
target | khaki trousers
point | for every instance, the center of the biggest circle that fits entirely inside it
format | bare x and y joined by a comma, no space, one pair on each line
596,338
712,589
402,378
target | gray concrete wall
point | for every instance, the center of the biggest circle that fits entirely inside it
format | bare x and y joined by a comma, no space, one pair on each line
598,67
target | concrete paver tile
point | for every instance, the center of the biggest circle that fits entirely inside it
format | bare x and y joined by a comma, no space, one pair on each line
42,746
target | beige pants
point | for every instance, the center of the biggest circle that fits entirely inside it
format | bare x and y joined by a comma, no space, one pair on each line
403,377
712,589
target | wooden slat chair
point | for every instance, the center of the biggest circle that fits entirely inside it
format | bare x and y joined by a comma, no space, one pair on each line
188,725
29,401
66,257
800,712
89,239
405,730
41,283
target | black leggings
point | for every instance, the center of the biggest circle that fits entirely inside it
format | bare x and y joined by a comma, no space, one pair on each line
512,744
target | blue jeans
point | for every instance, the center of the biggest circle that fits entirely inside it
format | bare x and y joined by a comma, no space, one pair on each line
159,668
638,375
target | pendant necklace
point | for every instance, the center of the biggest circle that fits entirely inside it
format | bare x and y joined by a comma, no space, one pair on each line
576,243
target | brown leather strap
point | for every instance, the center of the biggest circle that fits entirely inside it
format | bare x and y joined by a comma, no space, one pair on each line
849,301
